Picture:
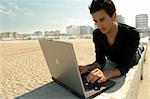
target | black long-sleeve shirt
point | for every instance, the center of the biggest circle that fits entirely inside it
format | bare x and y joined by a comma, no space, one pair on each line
123,49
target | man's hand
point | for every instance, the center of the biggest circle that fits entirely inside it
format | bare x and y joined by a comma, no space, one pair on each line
89,67
96,75
99,76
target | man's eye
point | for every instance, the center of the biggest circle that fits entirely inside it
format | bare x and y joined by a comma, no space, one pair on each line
102,19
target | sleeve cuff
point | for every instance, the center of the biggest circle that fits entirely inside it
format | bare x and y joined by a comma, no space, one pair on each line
123,70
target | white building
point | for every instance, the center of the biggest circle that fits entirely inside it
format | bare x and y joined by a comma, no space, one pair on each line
83,30
38,33
120,19
9,35
72,30
142,22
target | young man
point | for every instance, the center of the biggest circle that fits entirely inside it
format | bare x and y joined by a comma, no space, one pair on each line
114,42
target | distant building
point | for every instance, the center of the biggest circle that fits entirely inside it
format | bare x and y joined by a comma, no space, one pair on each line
72,30
56,33
52,33
47,33
9,35
120,19
95,26
38,33
85,30
142,22
79,30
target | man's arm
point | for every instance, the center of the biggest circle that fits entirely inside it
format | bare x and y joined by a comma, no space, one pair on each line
115,72
89,67
93,66
99,76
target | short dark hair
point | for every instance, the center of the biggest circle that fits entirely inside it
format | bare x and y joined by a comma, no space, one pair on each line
106,5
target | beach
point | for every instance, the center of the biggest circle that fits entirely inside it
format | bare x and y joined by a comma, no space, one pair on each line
23,66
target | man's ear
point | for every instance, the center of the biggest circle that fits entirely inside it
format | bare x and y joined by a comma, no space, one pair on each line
114,16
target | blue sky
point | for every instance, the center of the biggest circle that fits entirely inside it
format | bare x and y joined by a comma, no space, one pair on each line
27,16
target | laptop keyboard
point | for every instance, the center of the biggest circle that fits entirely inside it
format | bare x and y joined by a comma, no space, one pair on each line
91,86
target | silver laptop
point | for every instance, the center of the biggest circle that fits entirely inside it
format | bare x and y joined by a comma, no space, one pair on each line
61,60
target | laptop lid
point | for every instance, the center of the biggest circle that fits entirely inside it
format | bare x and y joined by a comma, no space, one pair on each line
61,60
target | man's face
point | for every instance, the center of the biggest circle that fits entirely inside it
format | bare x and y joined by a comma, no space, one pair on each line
103,21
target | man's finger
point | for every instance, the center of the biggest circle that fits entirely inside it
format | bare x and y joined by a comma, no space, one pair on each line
102,79
94,75
94,79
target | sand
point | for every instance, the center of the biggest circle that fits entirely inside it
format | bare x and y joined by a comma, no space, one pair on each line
144,87
23,67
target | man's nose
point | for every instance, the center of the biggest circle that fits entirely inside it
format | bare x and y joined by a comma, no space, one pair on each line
99,25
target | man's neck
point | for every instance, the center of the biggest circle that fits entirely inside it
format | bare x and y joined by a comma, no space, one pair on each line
113,32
